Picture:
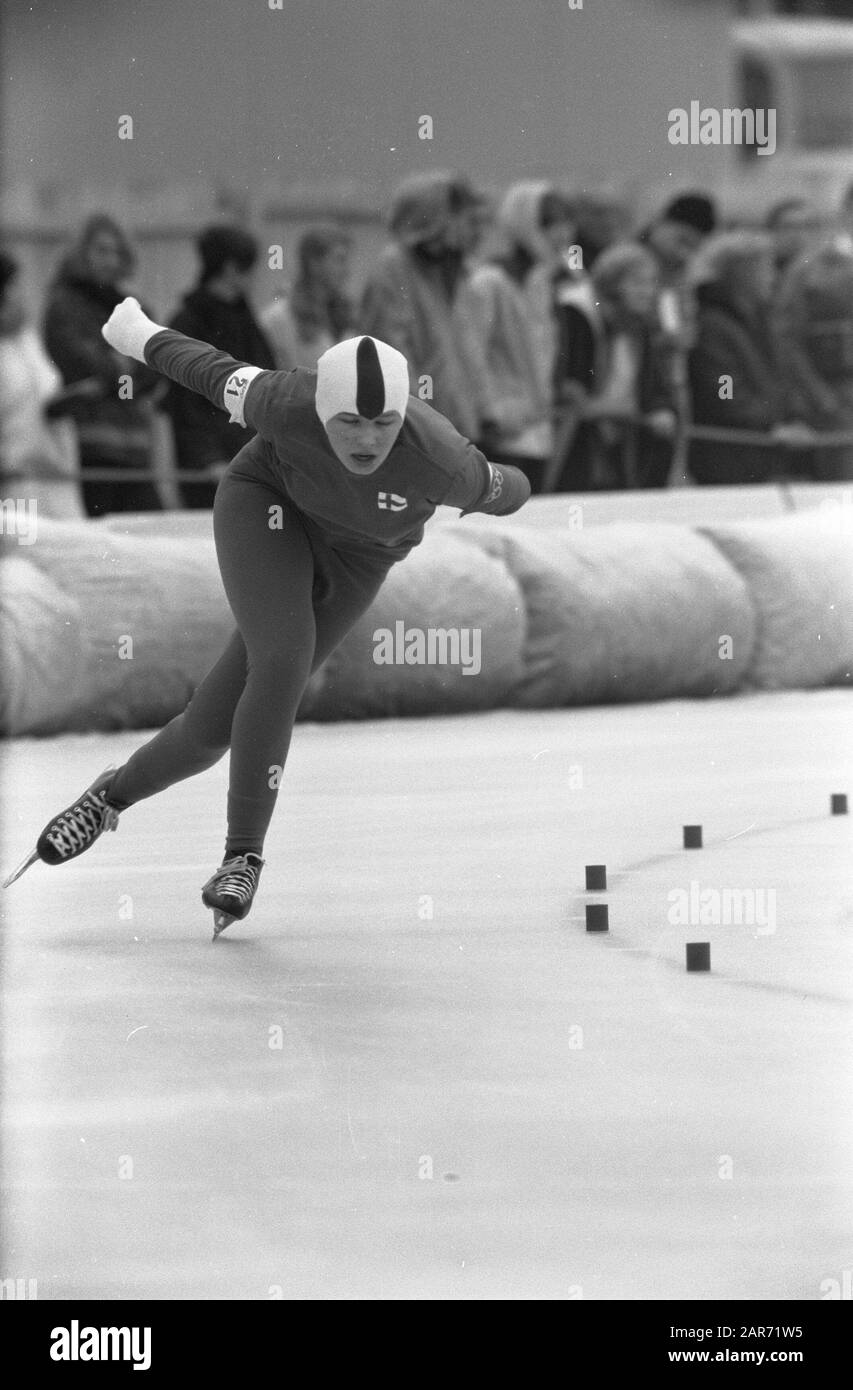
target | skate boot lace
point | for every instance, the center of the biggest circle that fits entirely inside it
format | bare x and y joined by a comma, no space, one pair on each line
77,827
236,879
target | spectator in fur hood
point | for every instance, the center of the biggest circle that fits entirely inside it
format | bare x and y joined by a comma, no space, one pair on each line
418,299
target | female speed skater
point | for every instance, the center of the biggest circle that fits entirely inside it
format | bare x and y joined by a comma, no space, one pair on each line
334,488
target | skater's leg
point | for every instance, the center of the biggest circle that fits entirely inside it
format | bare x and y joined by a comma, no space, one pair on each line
293,605
351,586
191,742
268,574
198,737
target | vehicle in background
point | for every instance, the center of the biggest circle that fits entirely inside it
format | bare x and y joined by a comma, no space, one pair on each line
802,69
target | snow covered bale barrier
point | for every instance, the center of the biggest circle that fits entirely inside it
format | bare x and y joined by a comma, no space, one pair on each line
146,618
445,634
799,572
42,649
629,611
109,626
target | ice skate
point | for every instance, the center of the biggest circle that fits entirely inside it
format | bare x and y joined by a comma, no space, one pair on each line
74,829
231,890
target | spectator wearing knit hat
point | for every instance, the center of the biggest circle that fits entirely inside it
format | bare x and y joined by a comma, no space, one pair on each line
674,236
678,230
217,312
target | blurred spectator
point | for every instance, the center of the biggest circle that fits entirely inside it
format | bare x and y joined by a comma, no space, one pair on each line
602,219
674,236
577,324
616,410
735,370
814,315
677,232
418,299
113,432
316,313
216,312
38,455
794,224
514,297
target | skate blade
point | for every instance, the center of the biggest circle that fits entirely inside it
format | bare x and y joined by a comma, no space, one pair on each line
221,920
22,868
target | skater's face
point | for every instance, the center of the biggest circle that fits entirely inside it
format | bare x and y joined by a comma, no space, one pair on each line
363,445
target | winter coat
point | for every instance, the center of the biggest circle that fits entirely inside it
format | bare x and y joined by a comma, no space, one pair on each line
582,360
503,314
38,457
203,434
429,315
113,432
513,299
814,323
732,343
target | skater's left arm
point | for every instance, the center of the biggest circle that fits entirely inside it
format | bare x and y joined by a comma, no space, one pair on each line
502,489
478,485
201,368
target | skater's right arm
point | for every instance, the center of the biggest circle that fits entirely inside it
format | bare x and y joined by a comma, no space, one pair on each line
219,377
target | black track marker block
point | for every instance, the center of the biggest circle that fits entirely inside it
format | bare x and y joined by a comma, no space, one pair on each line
596,917
698,955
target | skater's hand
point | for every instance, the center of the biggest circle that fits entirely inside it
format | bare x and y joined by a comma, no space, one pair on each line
128,329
